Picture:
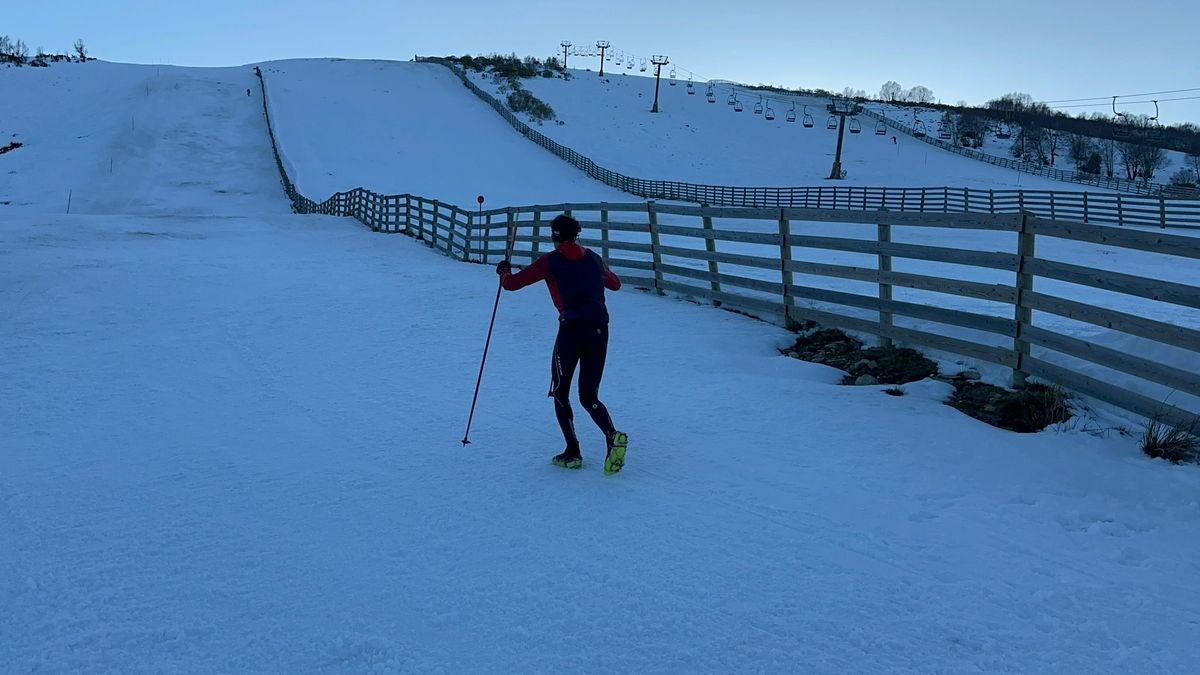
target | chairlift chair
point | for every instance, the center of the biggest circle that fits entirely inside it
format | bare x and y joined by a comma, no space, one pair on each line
832,122
758,107
880,128
855,127
809,122
671,80
732,99
737,106
791,115
919,131
770,113
710,94
642,67
691,89
1003,133
944,133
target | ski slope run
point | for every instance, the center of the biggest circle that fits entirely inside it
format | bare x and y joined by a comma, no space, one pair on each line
229,442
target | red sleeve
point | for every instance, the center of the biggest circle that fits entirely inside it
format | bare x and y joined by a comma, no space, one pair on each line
611,281
538,271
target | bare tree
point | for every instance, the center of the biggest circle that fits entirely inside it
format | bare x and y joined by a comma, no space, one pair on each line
920,94
1107,149
81,50
1193,163
1079,149
890,91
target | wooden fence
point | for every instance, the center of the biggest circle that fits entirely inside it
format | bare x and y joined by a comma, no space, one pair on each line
749,259
1160,210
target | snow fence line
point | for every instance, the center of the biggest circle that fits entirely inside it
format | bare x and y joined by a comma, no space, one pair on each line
754,274
1153,208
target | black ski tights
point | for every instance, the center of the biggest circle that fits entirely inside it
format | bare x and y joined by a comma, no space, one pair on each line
585,344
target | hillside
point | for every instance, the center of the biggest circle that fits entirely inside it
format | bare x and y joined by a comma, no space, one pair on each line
119,138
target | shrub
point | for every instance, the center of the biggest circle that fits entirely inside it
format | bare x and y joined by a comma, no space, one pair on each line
521,100
1184,178
1162,441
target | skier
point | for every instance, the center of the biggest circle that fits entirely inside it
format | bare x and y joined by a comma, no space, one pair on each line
576,278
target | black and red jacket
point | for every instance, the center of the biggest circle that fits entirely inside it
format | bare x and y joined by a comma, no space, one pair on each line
576,278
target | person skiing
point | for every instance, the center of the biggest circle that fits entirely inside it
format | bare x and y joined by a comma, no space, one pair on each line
576,278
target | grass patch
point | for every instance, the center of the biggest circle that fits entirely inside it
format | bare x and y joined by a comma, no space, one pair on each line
1028,409
1162,441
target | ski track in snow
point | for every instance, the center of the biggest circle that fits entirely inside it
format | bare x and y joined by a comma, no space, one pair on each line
231,444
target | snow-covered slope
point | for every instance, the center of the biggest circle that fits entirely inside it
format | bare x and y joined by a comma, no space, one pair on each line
230,443
212,459
119,138
691,140
396,127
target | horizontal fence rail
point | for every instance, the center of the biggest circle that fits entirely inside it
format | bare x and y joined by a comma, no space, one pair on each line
1175,210
1005,308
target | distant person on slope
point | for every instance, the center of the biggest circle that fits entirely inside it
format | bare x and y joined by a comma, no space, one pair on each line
576,278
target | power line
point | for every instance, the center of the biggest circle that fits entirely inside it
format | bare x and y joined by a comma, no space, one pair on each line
1125,103
1106,98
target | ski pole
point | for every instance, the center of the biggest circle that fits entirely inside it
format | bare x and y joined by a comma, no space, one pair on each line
509,243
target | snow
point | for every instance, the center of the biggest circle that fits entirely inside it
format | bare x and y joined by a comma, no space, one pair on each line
691,140
415,130
229,441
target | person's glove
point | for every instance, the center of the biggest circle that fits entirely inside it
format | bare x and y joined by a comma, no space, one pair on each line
503,267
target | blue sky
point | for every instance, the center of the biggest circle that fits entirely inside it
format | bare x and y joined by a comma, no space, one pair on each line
964,50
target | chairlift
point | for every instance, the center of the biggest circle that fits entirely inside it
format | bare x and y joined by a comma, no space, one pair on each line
791,115
691,89
737,106
832,122
671,80
809,122
880,128
732,99
855,127
710,94
944,133
1003,132
770,113
919,131
629,65
758,107
642,67
1154,133
1121,132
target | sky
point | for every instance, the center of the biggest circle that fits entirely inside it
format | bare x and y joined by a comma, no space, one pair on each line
1051,49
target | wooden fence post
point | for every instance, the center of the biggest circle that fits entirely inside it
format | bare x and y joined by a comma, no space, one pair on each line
537,232
1120,212
510,226
433,226
710,245
654,247
467,237
1026,248
885,266
785,259
1162,211
603,231
487,238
